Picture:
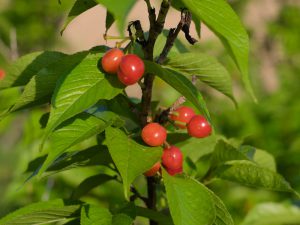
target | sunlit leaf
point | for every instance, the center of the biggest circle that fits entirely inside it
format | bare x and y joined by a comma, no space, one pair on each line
189,201
131,158
223,21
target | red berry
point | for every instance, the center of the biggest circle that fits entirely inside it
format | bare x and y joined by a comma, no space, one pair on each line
183,115
174,172
2,74
111,60
199,127
154,134
172,158
131,69
154,169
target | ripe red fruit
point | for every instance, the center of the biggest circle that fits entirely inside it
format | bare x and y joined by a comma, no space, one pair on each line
111,60
153,170
183,115
199,127
174,172
172,158
154,134
131,69
2,74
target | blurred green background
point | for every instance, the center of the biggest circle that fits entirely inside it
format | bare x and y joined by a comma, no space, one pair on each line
273,124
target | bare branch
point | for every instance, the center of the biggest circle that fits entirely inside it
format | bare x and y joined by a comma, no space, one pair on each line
151,13
184,25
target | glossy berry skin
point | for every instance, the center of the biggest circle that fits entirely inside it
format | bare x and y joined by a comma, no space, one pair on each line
174,172
111,60
199,127
154,134
154,169
183,115
2,74
172,158
131,69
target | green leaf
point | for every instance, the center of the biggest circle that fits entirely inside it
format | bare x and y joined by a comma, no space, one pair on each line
119,9
21,71
194,148
131,158
41,213
261,157
273,214
223,217
94,215
181,84
108,21
159,217
74,131
206,68
189,201
222,20
118,106
90,183
79,7
122,219
79,90
224,152
250,174
41,86
93,156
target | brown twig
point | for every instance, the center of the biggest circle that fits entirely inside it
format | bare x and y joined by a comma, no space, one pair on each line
156,28
184,25
136,194
151,13
138,35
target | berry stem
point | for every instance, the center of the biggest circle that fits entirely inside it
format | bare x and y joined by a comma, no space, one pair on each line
109,37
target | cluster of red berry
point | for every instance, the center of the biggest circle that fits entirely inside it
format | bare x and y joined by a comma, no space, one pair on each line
130,68
154,134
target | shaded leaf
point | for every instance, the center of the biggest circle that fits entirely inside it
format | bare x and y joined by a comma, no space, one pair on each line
20,72
131,158
41,213
41,86
90,183
154,215
108,21
122,219
74,131
93,156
